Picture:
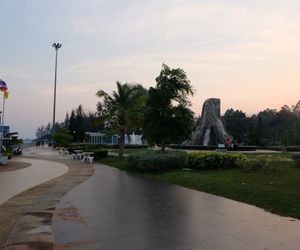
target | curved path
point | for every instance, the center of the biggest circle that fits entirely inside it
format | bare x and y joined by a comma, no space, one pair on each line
39,171
25,219
117,210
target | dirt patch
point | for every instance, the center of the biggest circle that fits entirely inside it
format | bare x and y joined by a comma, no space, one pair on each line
13,165
25,220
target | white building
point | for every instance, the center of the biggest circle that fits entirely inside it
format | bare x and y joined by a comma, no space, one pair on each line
94,138
101,138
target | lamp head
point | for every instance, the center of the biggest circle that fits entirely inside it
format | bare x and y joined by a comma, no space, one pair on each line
56,45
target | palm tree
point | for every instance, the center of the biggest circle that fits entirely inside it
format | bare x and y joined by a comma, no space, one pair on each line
121,105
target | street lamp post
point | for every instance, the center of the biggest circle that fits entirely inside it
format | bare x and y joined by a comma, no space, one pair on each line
56,46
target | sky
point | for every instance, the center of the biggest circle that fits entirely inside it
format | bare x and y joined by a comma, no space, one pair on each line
245,52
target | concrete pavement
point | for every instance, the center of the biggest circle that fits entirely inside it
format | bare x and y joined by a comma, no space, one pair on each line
26,218
115,210
39,171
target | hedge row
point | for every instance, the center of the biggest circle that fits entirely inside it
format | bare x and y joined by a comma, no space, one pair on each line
156,160
213,160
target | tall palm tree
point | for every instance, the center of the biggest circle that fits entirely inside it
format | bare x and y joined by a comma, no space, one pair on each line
120,105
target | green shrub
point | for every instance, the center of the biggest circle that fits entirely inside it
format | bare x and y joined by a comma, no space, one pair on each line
9,155
213,160
156,160
62,138
99,153
265,163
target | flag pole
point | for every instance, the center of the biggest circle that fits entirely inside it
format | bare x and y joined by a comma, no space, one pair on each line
2,123
3,89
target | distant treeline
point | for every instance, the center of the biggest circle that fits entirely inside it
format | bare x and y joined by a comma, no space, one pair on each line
268,127
76,122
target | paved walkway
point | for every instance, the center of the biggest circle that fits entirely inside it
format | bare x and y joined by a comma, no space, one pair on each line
115,210
26,218
39,171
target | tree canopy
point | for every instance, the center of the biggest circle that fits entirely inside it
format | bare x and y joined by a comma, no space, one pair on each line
268,127
122,109
168,117
62,137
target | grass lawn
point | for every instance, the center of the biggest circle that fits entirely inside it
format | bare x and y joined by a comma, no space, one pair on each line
277,191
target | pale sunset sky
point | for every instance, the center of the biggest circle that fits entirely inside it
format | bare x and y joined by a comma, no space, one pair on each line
246,52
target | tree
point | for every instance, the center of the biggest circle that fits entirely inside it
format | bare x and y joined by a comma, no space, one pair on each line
43,132
120,107
79,124
296,108
39,132
79,121
67,121
236,123
286,121
168,118
255,136
62,137
136,117
72,125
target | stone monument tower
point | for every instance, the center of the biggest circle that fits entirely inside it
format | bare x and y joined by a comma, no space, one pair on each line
211,130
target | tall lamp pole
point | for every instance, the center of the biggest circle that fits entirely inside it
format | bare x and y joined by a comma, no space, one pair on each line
56,46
